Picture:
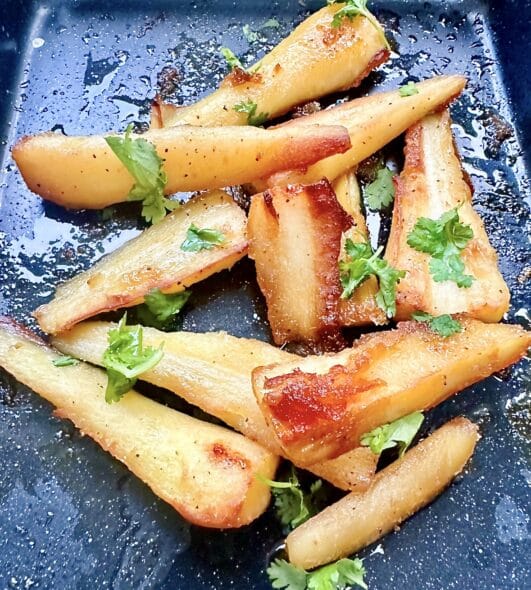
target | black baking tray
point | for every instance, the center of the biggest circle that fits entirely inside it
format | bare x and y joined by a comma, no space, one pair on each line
70,515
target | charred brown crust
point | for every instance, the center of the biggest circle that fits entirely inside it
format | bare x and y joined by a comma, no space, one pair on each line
377,60
238,76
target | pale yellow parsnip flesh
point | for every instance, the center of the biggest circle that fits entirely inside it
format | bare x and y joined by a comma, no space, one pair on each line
83,172
431,184
314,60
397,492
360,309
213,372
294,238
206,472
321,406
372,122
153,260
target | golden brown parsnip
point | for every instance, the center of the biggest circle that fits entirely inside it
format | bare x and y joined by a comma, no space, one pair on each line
320,407
398,491
213,372
295,238
314,60
372,122
360,309
431,184
153,260
83,172
206,472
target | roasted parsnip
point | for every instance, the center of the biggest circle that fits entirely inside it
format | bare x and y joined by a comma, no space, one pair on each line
152,260
360,309
206,472
398,491
314,60
431,184
213,372
372,122
295,239
320,407
83,172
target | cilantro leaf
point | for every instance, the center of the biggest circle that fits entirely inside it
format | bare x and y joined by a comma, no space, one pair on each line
294,506
353,8
401,432
381,191
444,239
249,108
159,309
145,166
284,575
408,89
232,61
271,23
249,34
361,263
352,572
334,576
444,325
126,358
340,574
65,361
201,239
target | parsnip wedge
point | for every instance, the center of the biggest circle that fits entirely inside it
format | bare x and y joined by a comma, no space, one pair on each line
295,239
213,372
320,407
372,122
398,491
361,309
314,60
83,172
431,184
152,260
206,472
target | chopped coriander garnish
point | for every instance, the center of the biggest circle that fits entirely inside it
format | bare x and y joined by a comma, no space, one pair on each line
198,239
249,34
65,361
401,432
353,8
232,61
249,108
334,576
293,505
271,23
444,325
408,90
159,309
362,263
126,358
444,239
381,191
145,166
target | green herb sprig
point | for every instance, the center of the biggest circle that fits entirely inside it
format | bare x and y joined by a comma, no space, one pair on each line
160,309
353,8
380,193
362,263
399,433
334,576
444,239
443,325
250,108
294,506
198,239
126,358
140,158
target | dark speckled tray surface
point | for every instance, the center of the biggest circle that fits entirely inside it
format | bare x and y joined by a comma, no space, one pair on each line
70,515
